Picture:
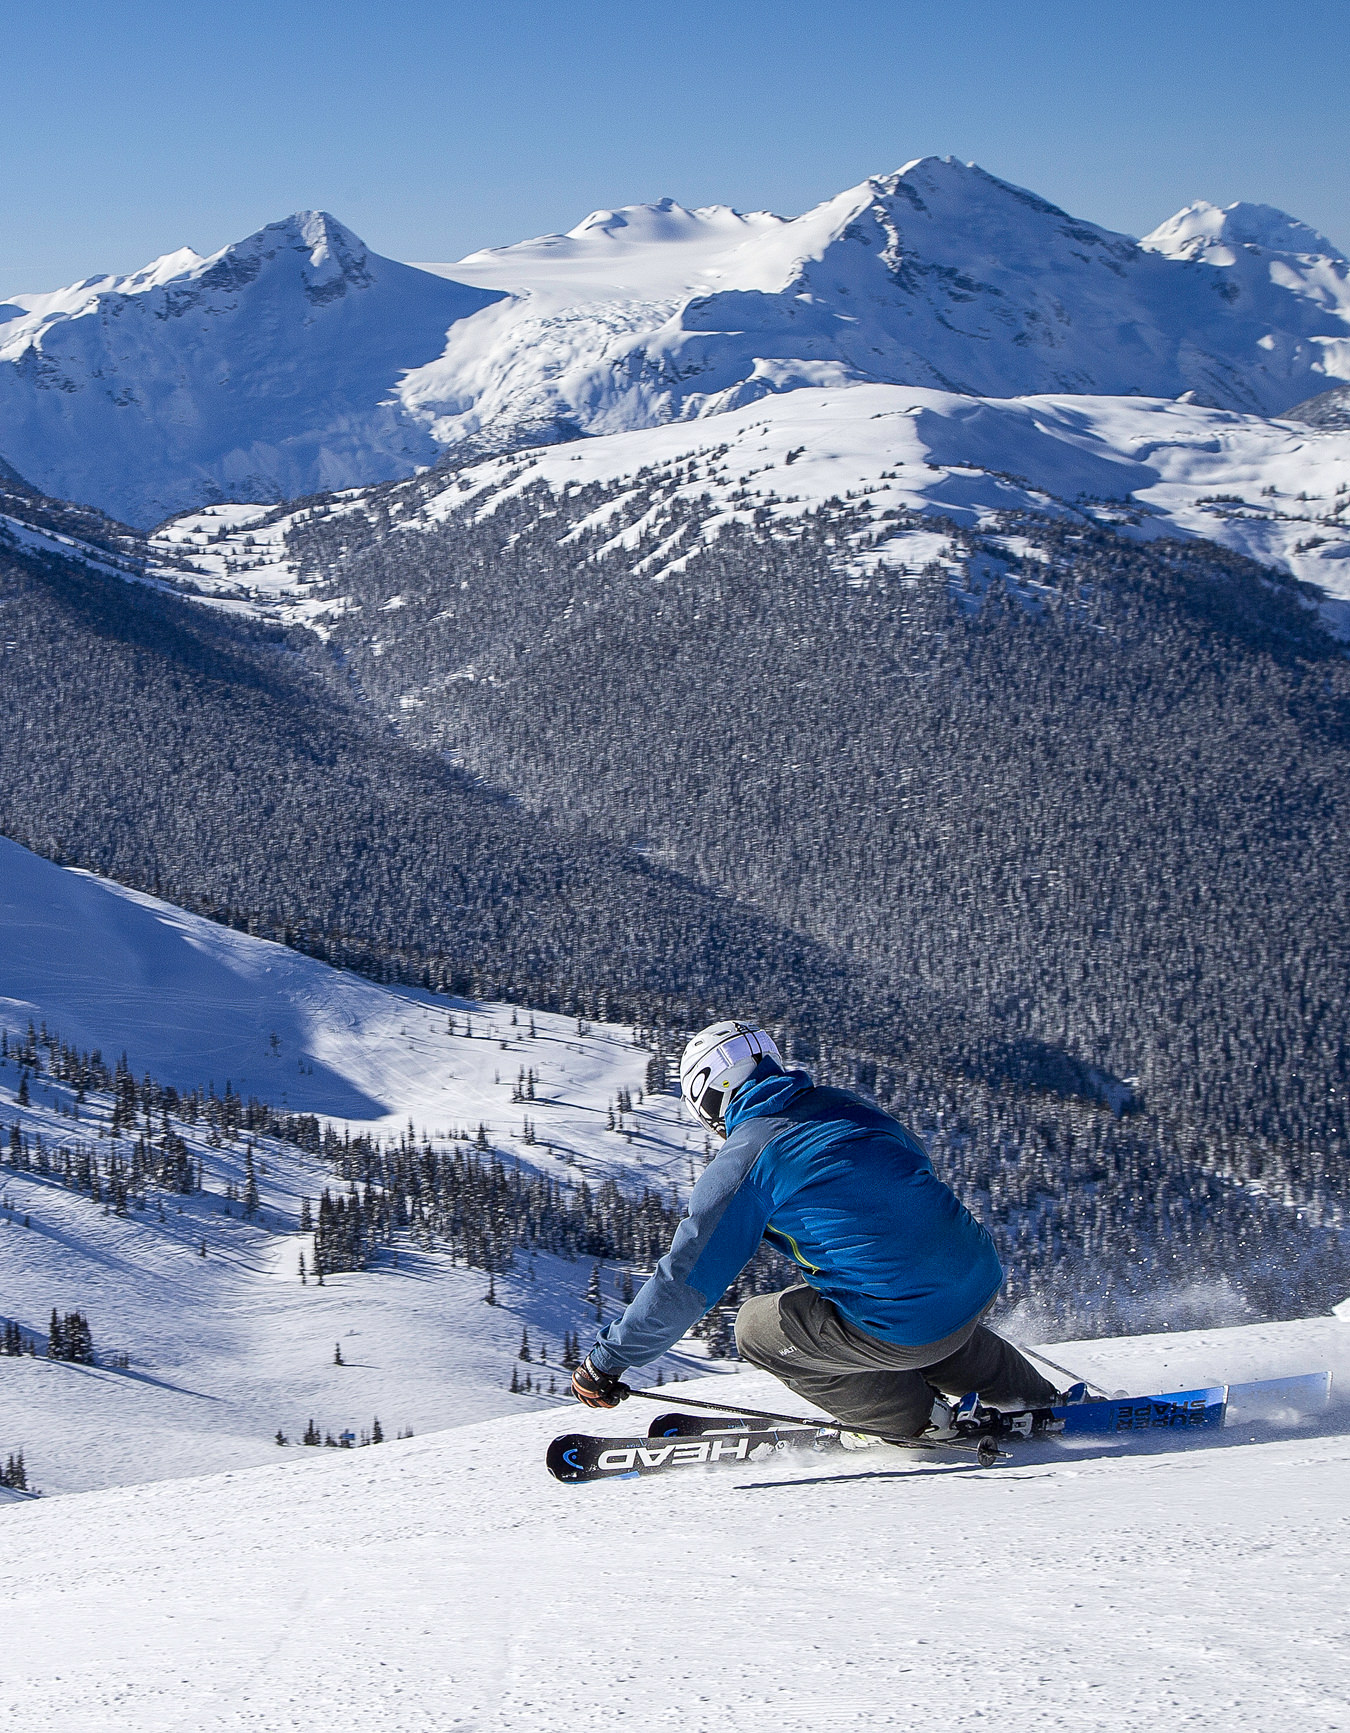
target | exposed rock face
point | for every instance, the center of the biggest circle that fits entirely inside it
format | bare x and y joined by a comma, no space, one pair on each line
1329,410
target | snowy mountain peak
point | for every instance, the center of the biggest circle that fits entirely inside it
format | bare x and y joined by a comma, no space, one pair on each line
1202,230
325,236
334,258
932,185
317,364
261,372
939,210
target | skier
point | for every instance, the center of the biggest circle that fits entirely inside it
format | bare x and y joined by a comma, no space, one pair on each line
897,1275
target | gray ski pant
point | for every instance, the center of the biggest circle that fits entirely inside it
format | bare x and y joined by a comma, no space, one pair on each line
803,1340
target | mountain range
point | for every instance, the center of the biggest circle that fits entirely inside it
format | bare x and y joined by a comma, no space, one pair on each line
298,361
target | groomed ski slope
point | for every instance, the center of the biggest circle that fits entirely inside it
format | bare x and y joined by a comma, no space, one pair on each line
447,1582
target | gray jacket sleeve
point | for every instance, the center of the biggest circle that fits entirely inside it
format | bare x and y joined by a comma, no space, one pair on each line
717,1237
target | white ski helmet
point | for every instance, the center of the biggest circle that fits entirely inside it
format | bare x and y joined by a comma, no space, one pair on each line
718,1059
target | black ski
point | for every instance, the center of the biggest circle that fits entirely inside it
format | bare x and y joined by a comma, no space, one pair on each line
974,1425
577,1457
678,1440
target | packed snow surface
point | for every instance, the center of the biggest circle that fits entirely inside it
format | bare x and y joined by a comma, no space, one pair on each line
447,1581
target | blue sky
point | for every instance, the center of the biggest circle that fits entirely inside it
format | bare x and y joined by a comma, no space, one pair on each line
131,128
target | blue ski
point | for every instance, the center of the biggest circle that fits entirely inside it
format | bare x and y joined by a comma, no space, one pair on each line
1177,1411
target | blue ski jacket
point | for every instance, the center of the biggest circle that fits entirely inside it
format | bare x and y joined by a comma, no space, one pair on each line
847,1192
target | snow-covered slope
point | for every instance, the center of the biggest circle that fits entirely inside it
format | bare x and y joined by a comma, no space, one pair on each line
1274,490
644,253
969,458
297,360
226,1343
193,1002
263,372
446,1581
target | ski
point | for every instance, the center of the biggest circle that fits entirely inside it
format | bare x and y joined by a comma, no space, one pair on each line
1206,1409
577,1456
680,1440
1278,1399
1181,1410
1117,1417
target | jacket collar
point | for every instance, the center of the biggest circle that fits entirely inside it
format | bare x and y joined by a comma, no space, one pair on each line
768,1089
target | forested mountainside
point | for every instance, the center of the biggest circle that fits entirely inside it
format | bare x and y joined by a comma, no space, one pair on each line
30,514
1043,842
1091,791
193,755
1093,787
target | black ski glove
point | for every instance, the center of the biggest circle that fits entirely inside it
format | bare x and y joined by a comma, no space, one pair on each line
597,1389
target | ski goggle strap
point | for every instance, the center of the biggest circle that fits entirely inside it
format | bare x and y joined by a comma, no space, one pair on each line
710,1102
746,1045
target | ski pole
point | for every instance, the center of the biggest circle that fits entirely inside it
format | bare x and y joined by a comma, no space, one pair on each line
1055,1366
979,1450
